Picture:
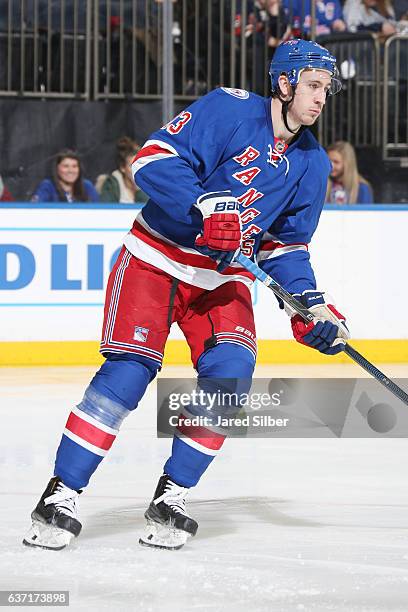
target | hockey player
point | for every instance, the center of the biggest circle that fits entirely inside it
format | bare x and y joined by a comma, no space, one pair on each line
233,171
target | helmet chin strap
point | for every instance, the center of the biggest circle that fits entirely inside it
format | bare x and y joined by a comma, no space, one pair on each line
285,108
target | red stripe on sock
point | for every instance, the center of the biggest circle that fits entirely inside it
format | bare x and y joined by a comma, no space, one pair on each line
201,435
89,432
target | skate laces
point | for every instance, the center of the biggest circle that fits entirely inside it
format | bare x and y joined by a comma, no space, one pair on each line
174,496
64,499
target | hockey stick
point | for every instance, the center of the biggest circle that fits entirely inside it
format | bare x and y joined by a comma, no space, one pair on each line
308,316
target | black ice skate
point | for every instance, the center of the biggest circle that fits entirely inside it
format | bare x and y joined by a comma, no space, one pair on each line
168,524
54,518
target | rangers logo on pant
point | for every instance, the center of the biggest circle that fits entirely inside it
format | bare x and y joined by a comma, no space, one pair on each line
141,334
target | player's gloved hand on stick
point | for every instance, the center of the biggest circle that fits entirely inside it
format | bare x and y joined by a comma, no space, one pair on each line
221,235
328,333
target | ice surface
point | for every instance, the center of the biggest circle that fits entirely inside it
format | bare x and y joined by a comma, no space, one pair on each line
284,524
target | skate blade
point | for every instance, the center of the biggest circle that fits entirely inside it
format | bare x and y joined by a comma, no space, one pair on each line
163,536
48,537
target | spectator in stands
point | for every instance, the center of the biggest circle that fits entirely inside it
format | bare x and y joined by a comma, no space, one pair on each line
5,195
370,15
67,183
345,184
329,16
265,19
278,28
266,26
259,16
120,186
401,10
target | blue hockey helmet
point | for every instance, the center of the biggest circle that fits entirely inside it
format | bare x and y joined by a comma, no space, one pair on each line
293,56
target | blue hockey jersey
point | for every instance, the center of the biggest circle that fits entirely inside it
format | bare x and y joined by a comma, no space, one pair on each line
224,141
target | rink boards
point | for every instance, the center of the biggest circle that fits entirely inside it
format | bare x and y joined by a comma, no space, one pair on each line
55,259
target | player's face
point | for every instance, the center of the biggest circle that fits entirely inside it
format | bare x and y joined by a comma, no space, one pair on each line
68,170
310,97
337,164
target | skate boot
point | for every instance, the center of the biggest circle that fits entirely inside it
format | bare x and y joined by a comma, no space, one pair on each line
54,518
168,524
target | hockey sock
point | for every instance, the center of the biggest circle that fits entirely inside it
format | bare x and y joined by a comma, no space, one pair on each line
194,447
93,425
191,456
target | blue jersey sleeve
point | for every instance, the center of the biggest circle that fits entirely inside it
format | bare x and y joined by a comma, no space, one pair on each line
283,251
365,194
45,192
93,195
338,11
173,164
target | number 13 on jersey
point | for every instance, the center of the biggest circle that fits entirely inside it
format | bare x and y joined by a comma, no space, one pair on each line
176,125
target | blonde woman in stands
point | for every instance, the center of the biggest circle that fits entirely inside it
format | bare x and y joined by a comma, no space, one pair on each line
345,184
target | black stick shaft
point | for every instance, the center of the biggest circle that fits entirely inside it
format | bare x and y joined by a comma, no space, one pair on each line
308,316
376,373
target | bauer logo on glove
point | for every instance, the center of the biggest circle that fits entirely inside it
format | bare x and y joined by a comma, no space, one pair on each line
328,332
221,235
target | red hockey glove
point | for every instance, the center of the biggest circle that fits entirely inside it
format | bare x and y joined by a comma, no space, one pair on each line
221,237
328,333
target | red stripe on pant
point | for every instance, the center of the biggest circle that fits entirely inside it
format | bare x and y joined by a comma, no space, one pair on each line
201,435
89,432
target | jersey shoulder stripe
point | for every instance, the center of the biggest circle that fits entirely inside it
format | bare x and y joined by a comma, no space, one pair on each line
151,151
